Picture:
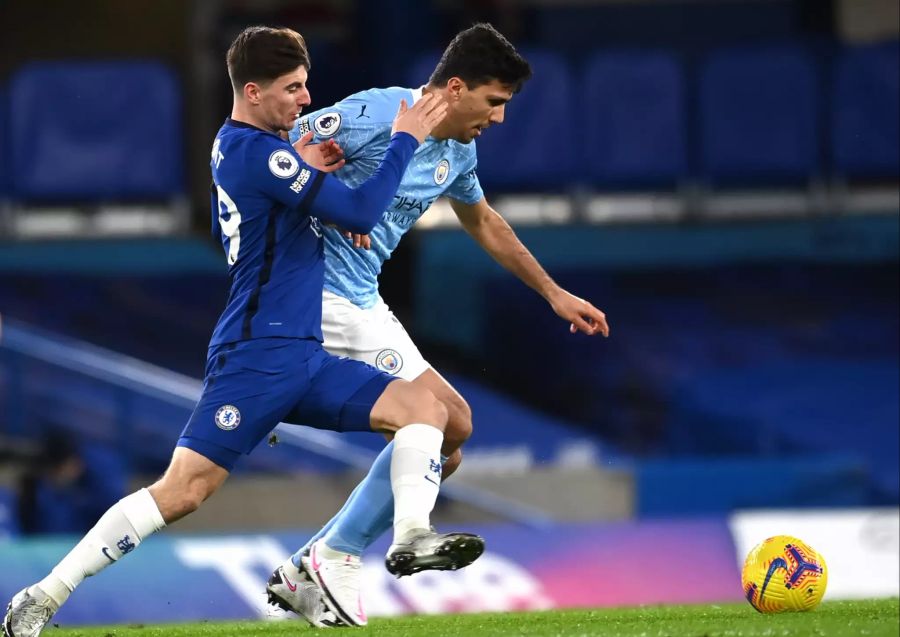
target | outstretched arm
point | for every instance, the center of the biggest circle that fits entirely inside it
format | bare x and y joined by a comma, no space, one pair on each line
492,233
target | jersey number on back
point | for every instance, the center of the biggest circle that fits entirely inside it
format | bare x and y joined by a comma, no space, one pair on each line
230,222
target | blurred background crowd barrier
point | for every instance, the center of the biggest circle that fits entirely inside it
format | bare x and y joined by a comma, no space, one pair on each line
721,177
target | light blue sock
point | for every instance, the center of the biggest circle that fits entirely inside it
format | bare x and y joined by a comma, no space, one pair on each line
295,558
367,514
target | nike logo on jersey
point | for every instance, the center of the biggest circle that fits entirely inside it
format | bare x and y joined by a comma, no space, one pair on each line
362,112
108,556
431,481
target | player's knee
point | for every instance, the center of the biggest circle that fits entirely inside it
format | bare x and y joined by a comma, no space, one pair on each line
194,494
404,404
177,498
197,493
459,424
423,407
430,410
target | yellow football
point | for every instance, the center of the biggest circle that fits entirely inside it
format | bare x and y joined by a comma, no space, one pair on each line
784,574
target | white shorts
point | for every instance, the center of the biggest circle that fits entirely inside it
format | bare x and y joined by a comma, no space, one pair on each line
374,336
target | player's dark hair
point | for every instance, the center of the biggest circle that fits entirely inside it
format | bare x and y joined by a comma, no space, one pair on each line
263,54
479,55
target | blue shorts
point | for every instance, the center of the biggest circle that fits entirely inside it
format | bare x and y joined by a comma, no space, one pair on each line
251,386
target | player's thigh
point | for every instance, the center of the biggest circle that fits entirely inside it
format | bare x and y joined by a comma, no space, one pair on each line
341,395
249,388
349,395
372,335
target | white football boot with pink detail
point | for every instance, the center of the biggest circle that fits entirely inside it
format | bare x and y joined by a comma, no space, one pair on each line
339,576
292,589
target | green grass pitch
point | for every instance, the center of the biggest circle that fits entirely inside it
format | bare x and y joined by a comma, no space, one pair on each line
874,618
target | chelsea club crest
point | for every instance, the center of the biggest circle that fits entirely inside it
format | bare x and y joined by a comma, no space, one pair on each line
228,417
441,172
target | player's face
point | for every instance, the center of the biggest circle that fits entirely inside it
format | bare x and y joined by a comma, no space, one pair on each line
283,99
479,108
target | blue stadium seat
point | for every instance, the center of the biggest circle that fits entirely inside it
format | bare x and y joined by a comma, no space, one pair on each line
759,113
519,154
634,133
4,141
9,515
534,148
95,131
420,70
866,112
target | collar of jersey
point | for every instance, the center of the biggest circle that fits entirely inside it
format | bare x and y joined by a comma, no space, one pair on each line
239,124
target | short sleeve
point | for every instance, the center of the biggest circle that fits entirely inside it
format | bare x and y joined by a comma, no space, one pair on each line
466,188
340,122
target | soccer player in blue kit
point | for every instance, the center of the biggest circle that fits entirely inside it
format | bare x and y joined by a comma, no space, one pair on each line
478,74
265,361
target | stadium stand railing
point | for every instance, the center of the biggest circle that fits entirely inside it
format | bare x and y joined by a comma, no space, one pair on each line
140,407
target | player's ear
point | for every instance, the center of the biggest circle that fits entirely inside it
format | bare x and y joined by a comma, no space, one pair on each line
251,93
455,87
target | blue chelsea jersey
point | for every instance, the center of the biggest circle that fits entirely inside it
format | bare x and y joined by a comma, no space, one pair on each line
361,124
261,193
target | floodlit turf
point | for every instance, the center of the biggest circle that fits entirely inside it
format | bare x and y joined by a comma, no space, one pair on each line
876,618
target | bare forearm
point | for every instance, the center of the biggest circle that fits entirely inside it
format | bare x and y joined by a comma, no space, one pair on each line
498,239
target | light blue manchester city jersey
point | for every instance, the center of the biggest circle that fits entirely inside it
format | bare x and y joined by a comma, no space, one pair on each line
361,124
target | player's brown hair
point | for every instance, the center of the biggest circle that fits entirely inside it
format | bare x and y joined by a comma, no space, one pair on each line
263,54
479,55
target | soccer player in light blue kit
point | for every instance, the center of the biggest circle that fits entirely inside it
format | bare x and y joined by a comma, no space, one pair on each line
265,361
478,74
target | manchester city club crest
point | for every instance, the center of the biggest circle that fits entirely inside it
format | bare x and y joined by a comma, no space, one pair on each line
388,360
441,172
228,417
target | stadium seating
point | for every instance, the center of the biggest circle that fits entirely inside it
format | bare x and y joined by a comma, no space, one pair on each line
8,515
534,149
698,365
758,117
634,127
420,70
95,131
866,101
4,139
